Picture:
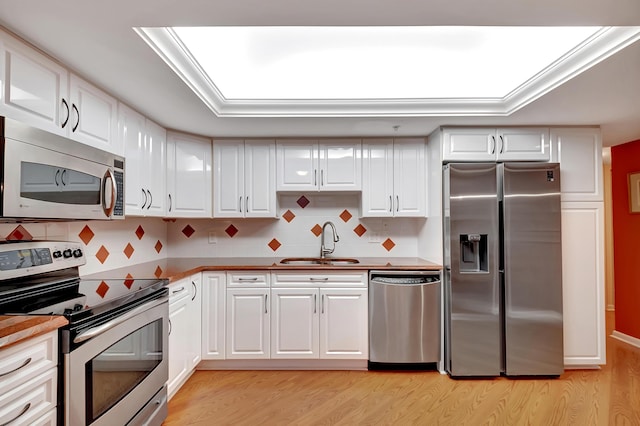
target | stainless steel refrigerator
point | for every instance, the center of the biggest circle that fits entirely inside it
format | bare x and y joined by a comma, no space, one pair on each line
503,269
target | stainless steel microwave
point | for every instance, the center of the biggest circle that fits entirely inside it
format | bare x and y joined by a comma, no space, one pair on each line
46,176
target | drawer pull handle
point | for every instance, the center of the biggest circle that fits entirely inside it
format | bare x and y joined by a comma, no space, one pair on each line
181,289
248,279
20,414
24,364
319,279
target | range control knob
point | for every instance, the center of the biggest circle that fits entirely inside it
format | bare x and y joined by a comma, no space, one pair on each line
77,253
67,253
57,254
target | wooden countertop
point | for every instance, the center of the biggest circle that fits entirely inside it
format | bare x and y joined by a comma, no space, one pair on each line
177,268
16,328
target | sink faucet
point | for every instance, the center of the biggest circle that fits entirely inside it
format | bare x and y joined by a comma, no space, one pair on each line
323,250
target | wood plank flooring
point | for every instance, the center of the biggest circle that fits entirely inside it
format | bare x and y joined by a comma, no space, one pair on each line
610,396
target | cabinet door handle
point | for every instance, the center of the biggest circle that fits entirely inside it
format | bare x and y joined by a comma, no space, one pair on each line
150,200
64,172
170,202
266,300
20,414
75,108
315,303
493,144
315,177
24,364
170,327
501,144
145,198
55,178
390,204
322,305
246,205
397,203
322,177
66,120
319,279
240,204
195,291
180,290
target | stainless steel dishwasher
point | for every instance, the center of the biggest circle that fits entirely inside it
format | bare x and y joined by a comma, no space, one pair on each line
404,318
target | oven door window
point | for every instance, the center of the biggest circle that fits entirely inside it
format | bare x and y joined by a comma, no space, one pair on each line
54,184
113,373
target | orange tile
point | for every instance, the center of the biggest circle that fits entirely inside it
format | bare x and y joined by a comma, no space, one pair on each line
158,246
317,230
129,281
128,250
19,234
102,289
360,230
86,235
102,254
388,244
274,244
158,272
345,215
288,216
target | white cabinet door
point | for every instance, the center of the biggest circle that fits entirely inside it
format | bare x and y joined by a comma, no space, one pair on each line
583,283
247,323
469,144
344,324
94,116
194,347
155,143
132,128
409,178
213,315
519,143
294,323
377,178
579,152
340,165
179,334
228,178
297,165
35,89
188,176
260,178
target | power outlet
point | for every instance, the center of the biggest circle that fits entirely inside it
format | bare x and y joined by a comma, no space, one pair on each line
213,237
375,237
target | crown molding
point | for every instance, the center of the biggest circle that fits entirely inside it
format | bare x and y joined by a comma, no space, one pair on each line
598,47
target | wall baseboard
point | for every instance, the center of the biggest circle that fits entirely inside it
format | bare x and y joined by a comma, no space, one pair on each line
633,341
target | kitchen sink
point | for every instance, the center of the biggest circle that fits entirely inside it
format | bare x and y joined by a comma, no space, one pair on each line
310,261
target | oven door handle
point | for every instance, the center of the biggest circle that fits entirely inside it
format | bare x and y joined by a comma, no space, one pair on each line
96,331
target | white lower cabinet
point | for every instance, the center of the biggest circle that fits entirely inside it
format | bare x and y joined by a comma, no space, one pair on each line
583,283
213,315
28,380
247,323
184,330
344,323
295,321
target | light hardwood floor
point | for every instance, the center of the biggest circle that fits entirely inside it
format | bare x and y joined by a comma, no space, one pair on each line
610,396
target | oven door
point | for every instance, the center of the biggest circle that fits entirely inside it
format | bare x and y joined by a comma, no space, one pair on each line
115,373
51,184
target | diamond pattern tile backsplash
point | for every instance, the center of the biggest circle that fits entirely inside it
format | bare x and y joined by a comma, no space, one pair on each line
116,244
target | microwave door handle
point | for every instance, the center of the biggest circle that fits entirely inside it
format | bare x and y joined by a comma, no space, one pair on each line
96,331
114,193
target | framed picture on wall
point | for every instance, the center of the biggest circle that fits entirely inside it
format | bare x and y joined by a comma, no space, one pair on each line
634,192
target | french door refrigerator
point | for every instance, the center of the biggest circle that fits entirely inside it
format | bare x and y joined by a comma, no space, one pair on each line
503,269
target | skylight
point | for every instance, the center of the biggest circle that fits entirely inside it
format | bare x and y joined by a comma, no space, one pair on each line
318,71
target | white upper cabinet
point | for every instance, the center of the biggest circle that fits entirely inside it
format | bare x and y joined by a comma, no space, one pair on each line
579,152
94,117
145,153
40,92
394,178
490,144
188,176
329,165
244,178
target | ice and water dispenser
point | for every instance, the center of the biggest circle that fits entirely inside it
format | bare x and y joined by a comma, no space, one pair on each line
473,253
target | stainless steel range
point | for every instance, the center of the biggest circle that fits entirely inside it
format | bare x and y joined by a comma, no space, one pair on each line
114,349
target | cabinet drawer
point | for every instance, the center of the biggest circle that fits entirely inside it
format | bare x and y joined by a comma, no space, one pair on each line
29,401
248,279
316,279
21,362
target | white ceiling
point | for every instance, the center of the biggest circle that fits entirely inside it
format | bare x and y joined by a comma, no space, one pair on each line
97,41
